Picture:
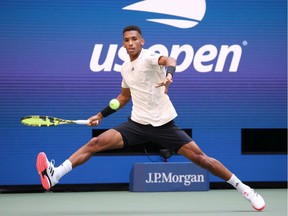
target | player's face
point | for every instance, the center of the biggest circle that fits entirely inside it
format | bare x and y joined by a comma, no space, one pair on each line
133,43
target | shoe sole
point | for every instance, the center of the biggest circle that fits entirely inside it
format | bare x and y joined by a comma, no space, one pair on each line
259,209
42,165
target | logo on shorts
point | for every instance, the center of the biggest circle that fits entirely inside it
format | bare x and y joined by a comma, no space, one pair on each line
184,13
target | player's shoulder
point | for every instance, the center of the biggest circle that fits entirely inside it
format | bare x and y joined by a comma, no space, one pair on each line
151,57
149,53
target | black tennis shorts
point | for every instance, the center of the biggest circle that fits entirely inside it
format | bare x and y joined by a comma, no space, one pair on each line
168,135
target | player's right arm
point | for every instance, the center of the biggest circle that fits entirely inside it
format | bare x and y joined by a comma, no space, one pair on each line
124,97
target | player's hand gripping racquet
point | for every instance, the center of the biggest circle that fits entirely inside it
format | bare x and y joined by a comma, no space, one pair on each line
46,121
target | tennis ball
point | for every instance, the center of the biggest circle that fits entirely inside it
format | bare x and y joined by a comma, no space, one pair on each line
114,104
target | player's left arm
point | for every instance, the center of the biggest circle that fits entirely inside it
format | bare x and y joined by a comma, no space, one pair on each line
170,64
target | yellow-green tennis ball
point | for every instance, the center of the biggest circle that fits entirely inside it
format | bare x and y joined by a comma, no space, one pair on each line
114,104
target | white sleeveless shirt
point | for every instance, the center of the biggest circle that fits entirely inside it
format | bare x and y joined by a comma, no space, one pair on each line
150,104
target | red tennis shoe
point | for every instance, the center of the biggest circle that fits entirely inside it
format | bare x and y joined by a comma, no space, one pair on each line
46,171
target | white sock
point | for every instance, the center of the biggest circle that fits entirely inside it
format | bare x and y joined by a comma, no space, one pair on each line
63,169
235,182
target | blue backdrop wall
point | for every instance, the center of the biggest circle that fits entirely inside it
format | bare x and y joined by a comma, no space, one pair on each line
62,58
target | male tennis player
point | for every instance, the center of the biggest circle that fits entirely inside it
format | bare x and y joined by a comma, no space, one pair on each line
145,81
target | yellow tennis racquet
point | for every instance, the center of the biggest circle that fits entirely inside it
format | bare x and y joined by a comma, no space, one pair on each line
47,121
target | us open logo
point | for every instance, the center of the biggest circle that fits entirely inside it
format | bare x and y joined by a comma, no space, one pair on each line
184,13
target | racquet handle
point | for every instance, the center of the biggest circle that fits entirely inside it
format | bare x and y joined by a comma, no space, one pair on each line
82,122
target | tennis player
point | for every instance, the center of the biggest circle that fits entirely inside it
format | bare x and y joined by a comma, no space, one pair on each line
146,82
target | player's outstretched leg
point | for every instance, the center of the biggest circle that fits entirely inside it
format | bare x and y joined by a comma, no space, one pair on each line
248,193
195,154
46,171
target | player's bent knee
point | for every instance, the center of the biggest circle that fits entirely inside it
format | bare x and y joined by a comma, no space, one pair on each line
92,144
98,144
93,141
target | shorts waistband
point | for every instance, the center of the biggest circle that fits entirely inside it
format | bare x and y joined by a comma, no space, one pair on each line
149,125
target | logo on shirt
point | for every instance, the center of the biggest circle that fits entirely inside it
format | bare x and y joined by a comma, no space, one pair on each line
181,13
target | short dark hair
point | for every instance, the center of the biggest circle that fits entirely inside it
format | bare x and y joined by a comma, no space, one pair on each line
132,28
